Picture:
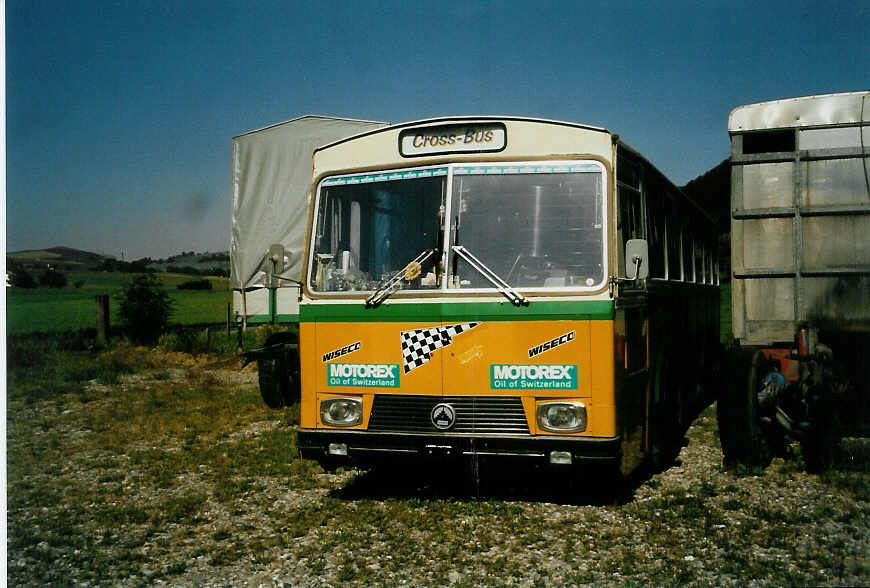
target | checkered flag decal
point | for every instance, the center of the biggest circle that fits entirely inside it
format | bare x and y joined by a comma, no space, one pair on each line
418,345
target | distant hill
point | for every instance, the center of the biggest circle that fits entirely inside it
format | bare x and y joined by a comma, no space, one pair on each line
203,260
68,258
57,255
70,253
712,191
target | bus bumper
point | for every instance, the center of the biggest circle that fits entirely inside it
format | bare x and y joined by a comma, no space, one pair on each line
334,448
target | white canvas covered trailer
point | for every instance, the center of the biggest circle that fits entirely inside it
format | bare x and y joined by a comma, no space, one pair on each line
272,169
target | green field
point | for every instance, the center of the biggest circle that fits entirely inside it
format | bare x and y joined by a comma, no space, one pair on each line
70,308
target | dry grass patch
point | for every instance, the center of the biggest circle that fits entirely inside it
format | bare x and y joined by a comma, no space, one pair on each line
114,456
136,466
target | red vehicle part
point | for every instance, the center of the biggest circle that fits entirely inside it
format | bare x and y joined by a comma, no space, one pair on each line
788,367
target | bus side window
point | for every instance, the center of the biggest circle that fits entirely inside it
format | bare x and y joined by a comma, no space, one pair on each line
691,252
629,214
711,262
681,270
656,231
630,226
672,238
690,256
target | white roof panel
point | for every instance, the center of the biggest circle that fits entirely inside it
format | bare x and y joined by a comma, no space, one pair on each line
806,111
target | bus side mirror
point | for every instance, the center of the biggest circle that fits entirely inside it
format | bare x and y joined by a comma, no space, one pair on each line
636,259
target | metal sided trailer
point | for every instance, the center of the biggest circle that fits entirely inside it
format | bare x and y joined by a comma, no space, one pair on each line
800,245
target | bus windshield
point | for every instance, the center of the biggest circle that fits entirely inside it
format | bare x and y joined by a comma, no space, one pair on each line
534,230
534,226
369,227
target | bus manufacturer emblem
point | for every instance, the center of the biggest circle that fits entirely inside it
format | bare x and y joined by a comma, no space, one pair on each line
443,417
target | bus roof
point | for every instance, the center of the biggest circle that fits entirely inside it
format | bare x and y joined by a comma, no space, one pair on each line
443,119
805,111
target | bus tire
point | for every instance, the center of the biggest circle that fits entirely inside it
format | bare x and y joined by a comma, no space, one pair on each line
666,429
740,428
279,375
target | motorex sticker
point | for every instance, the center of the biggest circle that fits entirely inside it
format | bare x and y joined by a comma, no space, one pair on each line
363,375
533,377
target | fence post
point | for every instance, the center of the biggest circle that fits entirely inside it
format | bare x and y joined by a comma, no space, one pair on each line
101,302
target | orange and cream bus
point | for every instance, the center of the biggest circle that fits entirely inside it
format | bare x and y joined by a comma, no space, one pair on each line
500,288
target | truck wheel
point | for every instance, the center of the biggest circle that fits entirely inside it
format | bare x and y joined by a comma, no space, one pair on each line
820,441
279,375
740,427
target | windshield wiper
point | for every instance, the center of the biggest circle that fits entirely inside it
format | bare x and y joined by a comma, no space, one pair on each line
506,290
409,272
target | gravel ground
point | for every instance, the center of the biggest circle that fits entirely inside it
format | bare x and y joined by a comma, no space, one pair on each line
693,523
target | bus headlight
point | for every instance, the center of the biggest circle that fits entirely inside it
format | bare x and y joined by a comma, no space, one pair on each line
341,412
562,416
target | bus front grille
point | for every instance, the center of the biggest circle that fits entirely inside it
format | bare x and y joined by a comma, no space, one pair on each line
412,414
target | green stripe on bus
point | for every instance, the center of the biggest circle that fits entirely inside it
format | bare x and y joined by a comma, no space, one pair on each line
458,311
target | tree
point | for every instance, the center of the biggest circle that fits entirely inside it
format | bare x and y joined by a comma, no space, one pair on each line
21,278
144,308
106,265
52,278
195,285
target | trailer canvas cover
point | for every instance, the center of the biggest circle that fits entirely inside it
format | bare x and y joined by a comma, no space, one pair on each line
272,170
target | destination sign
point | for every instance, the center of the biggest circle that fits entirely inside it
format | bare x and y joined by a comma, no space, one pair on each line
470,138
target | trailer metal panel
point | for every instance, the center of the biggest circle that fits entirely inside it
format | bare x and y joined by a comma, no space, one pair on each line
801,219
847,108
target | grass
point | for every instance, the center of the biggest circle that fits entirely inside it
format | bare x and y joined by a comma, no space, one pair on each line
43,368
70,308
96,460
136,466
50,310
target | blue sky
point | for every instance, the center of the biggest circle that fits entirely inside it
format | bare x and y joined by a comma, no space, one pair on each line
120,114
